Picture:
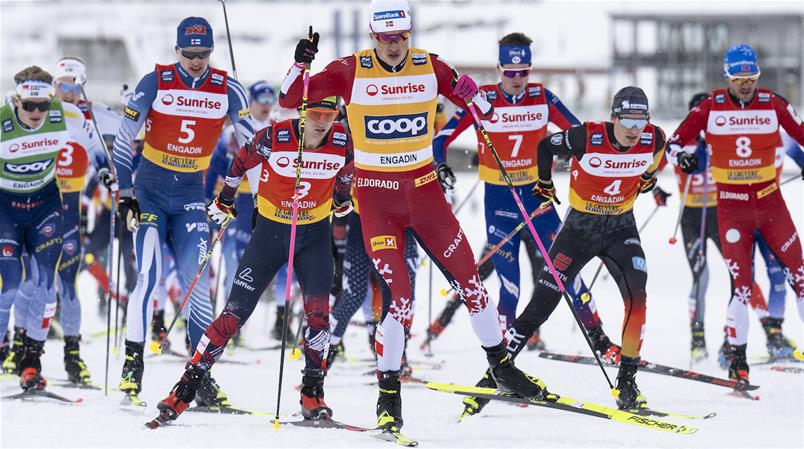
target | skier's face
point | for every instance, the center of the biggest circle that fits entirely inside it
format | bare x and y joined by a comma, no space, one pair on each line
514,77
67,90
319,122
32,111
391,47
194,60
743,86
628,128
260,111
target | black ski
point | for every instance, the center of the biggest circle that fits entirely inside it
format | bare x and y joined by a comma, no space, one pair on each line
227,410
33,394
327,424
656,368
788,369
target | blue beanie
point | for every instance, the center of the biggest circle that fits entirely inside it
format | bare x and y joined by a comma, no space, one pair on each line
194,32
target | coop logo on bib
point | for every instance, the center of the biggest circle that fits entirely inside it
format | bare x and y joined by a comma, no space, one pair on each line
396,126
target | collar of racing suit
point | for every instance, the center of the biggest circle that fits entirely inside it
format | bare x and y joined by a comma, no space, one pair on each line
189,79
513,99
388,67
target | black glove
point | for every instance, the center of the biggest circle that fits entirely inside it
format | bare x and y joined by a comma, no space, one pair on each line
445,176
545,191
660,196
687,162
108,179
646,182
307,48
128,209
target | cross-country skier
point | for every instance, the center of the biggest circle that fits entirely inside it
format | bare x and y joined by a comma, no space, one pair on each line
183,106
741,126
391,94
35,127
522,111
326,176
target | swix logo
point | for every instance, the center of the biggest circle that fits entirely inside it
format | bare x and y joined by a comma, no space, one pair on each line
33,167
196,29
167,99
595,162
396,126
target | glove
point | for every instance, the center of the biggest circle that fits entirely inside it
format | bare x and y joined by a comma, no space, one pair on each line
545,190
128,209
220,210
646,183
307,48
108,179
660,196
465,88
341,209
445,176
687,162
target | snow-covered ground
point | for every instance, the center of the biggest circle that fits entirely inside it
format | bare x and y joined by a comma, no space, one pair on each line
430,417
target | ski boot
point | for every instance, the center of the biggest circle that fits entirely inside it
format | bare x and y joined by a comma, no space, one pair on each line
180,396
371,328
159,331
473,405
698,350
509,378
535,342
131,379
336,351
605,349
778,346
209,393
629,397
276,332
31,365
11,363
389,403
77,371
738,365
4,346
312,396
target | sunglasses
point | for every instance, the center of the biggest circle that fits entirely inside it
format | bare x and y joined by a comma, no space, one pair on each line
70,88
513,73
740,80
633,123
387,38
41,106
322,114
203,54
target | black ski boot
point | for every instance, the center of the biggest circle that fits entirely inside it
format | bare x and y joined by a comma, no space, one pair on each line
738,365
31,365
473,405
389,404
371,328
779,347
629,397
180,397
11,363
5,346
158,329
508,377
312,396
77,371
605,349
209,393
336,351
276,332
698,350
131,378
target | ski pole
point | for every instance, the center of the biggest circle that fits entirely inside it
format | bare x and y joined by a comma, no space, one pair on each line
229,38
790,179
538,241
294,216
465,199
156,346
701,258
117,287
429,352
641,228
219,279
673,239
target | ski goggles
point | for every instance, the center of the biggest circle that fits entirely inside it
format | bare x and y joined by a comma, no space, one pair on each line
390,38
740,80
41,106
633,123
513,73
322,114
69,88
202,54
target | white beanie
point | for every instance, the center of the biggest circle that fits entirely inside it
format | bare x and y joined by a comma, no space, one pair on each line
70,67
388,16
